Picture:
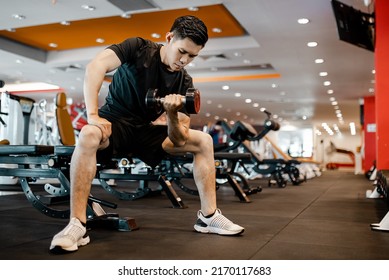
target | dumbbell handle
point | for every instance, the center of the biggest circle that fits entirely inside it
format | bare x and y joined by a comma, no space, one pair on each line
162,99
191,100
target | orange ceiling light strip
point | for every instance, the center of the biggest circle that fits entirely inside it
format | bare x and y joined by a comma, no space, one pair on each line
235,78
83,33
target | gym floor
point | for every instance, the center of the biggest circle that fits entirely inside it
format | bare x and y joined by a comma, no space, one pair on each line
325,218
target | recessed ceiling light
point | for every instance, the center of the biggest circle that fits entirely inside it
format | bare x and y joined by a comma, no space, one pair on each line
126,15
225,87
19,17
156,35
327,83
303,20
246,61
11,30
312,44
19,61
330,91
217,30
193,9
88,7
53,45
65,22
238,94
323,74
319,60
248,100
100,40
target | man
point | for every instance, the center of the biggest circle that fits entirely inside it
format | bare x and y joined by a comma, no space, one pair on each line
123,124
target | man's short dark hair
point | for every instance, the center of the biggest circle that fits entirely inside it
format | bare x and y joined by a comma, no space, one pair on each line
190,27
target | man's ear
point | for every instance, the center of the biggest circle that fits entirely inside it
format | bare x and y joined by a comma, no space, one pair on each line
169,36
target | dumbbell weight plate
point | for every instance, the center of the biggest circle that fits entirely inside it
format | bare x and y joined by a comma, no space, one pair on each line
192,101
151,101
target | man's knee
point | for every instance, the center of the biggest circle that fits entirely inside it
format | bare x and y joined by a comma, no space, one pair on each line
90,136
205,140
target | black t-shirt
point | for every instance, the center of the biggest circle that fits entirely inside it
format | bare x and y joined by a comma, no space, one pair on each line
141,70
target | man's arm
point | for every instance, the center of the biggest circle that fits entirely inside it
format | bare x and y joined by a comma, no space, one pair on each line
106,61
177,122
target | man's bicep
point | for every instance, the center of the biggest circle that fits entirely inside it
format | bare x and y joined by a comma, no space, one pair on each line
108,60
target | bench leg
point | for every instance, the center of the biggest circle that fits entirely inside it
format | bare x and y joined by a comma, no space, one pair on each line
383,225
170,192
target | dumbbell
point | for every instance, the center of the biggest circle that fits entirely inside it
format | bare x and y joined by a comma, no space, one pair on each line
191,101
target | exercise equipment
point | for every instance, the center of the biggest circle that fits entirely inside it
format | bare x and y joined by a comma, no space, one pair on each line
191,101
242,132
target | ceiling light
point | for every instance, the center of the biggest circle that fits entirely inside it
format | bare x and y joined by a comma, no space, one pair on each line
371,90
30,87
303,20
88,7
330,91
352,128
19,17
53,45
216,30
207,115
11,30
209,101
126,15
323,74
238,94
327,83
319,60
248,100
312,44
225,87
100,40
255,105
219,106
246,61
156,35
193,9
332,98
65,22
19,61
334,103
373,71
274,85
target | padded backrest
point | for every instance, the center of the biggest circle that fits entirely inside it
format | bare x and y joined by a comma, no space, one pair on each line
64,122
241,131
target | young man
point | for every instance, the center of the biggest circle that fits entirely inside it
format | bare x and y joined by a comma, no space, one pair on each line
123,124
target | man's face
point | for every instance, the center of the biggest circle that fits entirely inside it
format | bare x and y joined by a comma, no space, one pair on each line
180,52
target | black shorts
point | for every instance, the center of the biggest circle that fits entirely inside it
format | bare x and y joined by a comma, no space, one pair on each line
140,141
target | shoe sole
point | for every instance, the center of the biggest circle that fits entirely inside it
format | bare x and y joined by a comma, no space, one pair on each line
216,231
59,250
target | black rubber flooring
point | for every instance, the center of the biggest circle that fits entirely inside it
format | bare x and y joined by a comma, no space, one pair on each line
325,218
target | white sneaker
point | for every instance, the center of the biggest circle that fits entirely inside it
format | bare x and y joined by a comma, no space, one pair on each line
68,240
217,223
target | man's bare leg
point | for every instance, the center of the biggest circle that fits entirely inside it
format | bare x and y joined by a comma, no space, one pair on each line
83,170
201,145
